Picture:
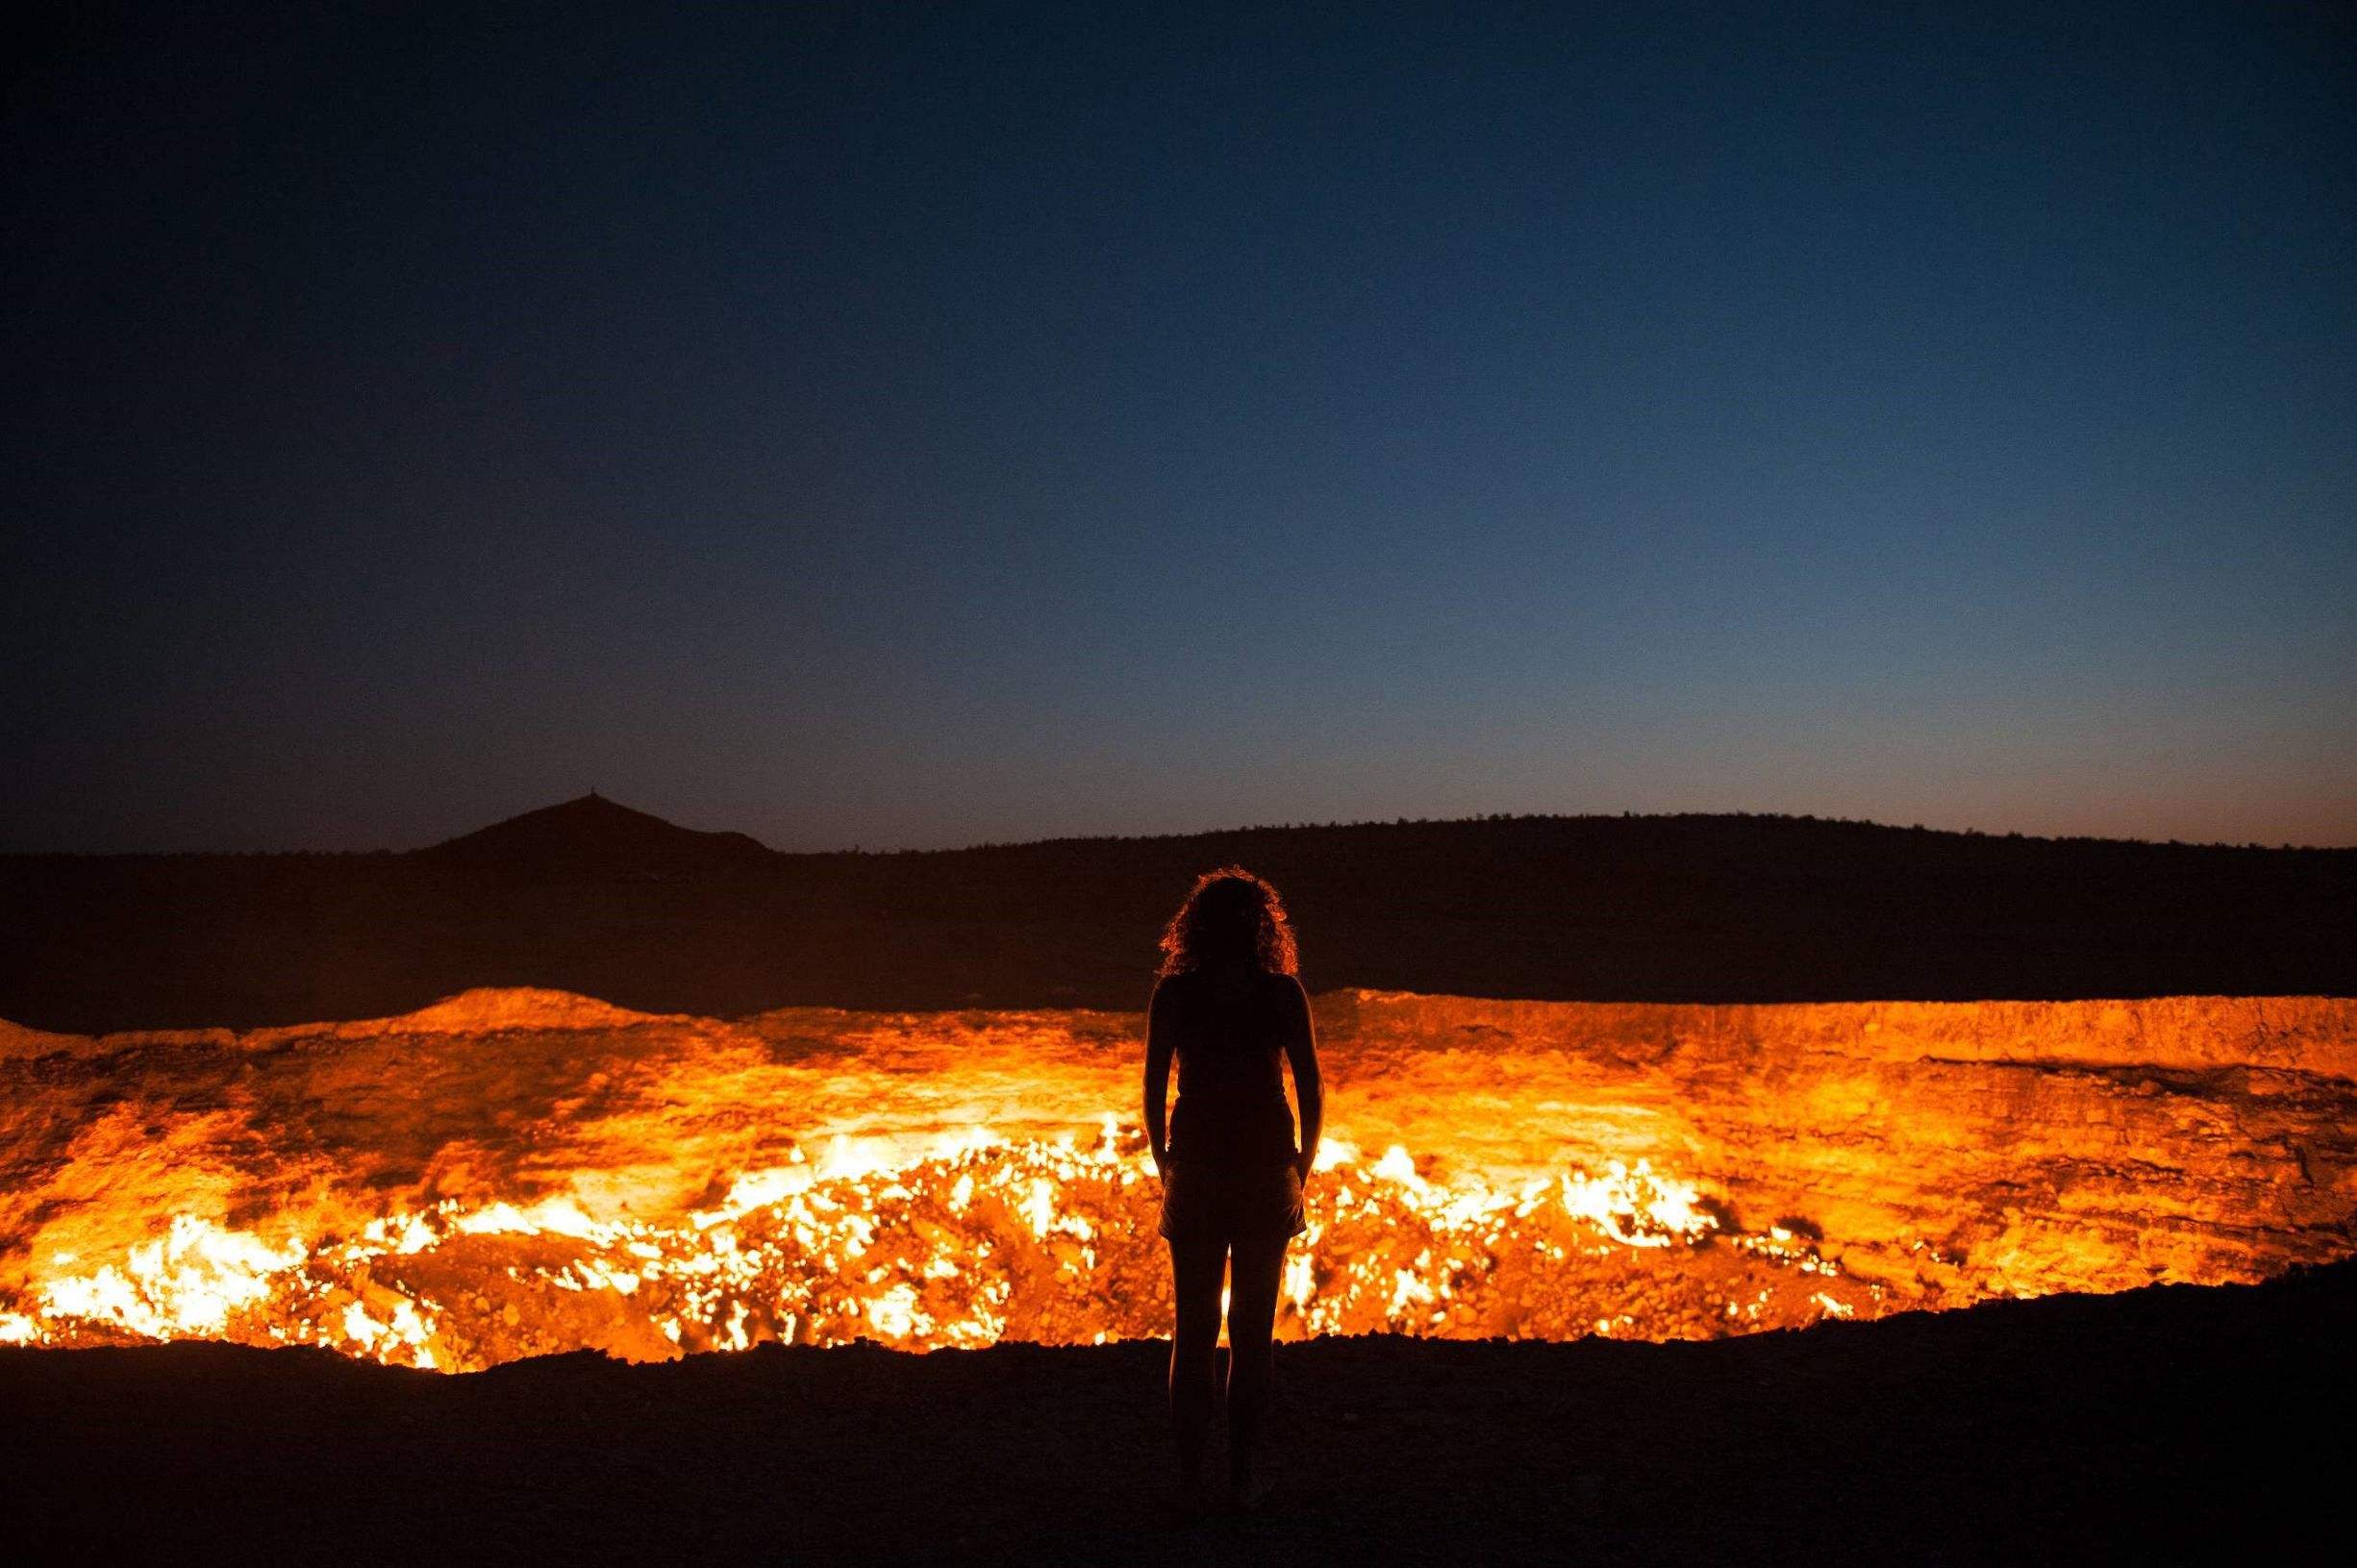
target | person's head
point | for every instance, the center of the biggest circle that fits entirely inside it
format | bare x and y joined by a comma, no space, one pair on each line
1230,915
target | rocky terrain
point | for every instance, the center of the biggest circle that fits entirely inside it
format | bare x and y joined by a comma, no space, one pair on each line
1972,1146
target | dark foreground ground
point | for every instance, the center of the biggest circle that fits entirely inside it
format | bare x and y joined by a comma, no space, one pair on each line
2175,1424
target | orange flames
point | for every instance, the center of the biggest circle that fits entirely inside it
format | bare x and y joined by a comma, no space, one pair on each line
513,1174
1044,1241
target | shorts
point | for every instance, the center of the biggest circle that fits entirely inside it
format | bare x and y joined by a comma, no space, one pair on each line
1231,1204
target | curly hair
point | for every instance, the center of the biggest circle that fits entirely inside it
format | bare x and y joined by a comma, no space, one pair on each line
1229,911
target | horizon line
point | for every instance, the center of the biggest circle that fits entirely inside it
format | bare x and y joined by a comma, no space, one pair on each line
1331,825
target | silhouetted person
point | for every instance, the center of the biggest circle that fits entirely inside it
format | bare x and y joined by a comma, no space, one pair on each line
1228,1007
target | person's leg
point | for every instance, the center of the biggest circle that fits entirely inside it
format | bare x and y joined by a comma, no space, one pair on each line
1195,1268
1257,1272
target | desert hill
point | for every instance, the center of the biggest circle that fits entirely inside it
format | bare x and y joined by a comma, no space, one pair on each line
594,839
594,898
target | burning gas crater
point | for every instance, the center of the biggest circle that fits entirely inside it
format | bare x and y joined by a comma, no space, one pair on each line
518,1172
1046,1241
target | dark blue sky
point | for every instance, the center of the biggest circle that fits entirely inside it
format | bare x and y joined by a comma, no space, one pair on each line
912,426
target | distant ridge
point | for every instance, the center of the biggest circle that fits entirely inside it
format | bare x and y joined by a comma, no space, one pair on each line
592,837
593,898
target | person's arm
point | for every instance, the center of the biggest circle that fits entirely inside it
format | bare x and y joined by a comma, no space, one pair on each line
1309,1089
1156,1076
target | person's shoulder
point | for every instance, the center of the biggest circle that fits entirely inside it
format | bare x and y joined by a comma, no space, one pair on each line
1288,1005
1282,986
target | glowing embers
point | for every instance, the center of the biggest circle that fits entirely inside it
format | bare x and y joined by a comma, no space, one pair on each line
963,1243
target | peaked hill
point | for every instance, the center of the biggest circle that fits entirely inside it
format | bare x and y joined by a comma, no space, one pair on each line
596,839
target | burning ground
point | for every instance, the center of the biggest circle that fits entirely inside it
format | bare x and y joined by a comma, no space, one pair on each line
514,1173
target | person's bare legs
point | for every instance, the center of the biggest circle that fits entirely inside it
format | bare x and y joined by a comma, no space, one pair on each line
1257,1272
1196,1270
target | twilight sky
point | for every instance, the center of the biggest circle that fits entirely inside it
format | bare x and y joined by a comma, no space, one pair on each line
912,425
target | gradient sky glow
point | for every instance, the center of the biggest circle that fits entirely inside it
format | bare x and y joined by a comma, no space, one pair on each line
912,426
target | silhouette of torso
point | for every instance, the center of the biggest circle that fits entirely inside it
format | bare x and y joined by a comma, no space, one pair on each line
1229,1045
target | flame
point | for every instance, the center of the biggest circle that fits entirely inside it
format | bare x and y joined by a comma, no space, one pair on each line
186,1284
1047,1240
425,1194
